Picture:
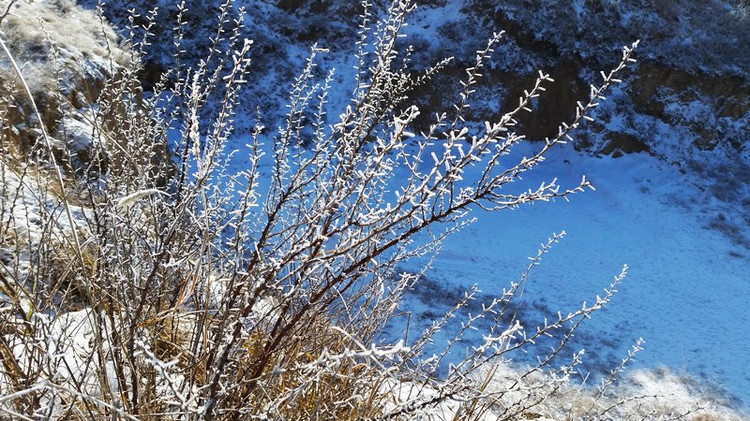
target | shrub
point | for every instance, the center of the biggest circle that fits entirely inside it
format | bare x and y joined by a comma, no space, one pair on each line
158,288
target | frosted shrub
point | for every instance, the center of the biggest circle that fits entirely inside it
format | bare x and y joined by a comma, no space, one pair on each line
173,289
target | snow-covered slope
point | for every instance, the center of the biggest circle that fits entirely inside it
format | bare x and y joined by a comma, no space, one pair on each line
686,289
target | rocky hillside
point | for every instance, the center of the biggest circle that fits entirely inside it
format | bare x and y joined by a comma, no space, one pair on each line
689,93
65,73
692,75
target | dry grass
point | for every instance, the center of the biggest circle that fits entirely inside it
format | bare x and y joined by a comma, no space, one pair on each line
90,40
66,71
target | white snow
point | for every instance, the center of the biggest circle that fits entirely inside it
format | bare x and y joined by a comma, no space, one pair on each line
686,291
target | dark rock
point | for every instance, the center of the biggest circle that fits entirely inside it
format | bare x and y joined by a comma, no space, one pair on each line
554,106
623,143
290,5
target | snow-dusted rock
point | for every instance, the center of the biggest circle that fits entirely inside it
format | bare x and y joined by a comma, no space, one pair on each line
64,70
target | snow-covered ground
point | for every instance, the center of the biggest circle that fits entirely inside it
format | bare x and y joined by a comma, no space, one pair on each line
686,292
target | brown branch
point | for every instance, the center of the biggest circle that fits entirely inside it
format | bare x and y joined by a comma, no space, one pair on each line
7,11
